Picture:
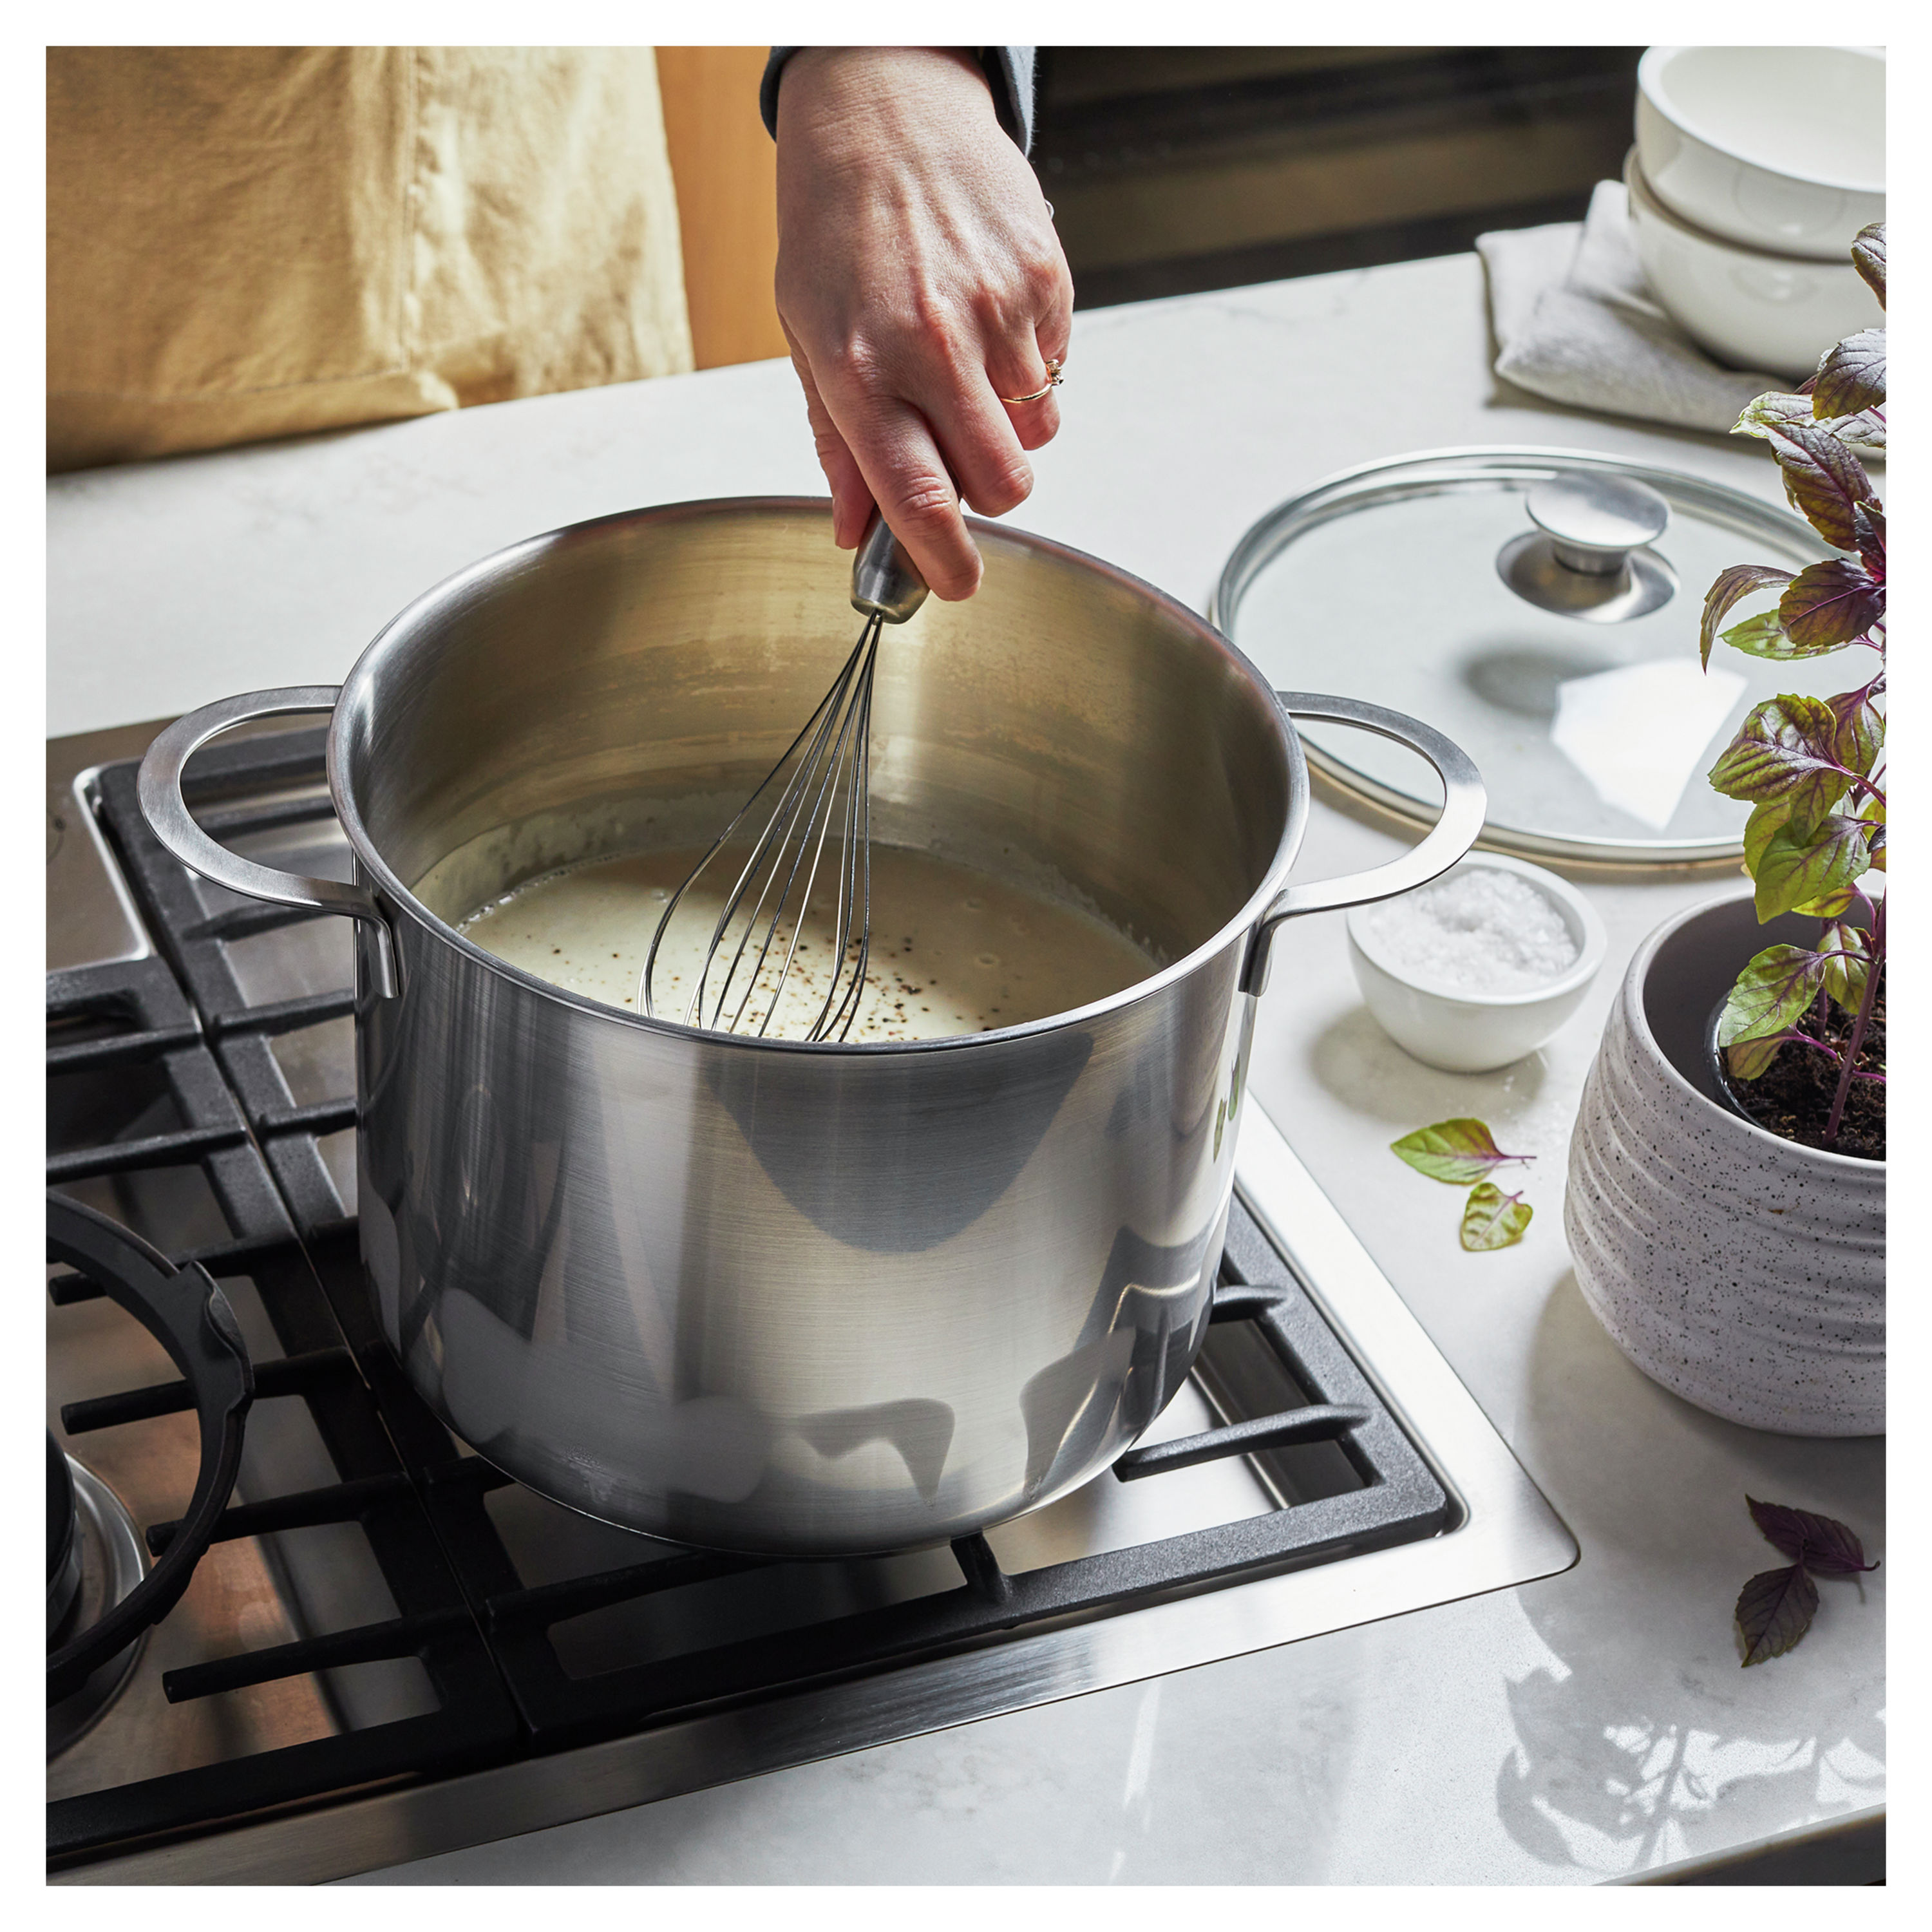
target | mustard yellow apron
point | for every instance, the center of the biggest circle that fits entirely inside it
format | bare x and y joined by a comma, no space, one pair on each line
245,242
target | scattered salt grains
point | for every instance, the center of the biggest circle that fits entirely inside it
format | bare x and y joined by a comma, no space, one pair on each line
1481,931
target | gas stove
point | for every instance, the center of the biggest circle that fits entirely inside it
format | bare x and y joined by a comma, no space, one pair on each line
387,1647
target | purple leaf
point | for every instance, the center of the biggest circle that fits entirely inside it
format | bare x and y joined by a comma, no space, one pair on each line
1493,1219
1821,477
1774,1610
1733,584
1801,863
1785,751
1821,1543
1868,257
1852,376
1455,1151
1860,736
1868,539
1773,992
1864,432
1831,603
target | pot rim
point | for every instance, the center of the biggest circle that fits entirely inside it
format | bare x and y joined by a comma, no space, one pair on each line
393,636
1631,998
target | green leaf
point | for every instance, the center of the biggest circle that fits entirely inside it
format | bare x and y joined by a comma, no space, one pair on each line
1733,585
1845,974
1759,830
1871,815
1821,477
1833,905
1868,257
1863,432
1801,863
1455,1151
1493,1219
1765,637
1785,751
1750,1058
1764,413
1774,1610
1831,603
1852,376
1772,993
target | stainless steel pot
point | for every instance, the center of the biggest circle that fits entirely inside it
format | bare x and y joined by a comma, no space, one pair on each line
755,1294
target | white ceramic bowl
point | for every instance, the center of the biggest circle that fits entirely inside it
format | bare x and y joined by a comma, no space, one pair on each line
1781,148
1463,1032
1775,312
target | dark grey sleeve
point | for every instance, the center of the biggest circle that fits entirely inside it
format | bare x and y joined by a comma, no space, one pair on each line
1009,72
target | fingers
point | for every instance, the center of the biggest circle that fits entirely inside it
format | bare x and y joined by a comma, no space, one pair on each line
851,499
1017,363
1053,329
910,481
1021,371
875,447
976,435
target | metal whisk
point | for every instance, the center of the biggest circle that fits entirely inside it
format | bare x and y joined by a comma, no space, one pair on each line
823,782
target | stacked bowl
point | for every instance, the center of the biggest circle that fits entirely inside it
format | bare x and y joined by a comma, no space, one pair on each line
1753,168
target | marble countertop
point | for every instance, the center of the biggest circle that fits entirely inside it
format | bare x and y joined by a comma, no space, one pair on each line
1592,1725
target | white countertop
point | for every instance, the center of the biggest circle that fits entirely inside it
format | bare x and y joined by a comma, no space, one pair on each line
1588,1726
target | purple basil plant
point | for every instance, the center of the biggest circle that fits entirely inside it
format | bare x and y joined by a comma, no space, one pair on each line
1812,769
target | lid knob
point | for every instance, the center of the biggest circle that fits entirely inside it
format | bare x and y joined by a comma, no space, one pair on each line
1594,522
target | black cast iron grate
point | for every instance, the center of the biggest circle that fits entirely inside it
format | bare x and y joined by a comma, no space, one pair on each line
1373,1489
132,1017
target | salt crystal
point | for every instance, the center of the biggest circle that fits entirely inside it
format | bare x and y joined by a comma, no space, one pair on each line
1481,931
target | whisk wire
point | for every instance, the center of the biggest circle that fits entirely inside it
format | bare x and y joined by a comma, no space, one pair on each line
825,770
821,758
835,739
818,821
855,879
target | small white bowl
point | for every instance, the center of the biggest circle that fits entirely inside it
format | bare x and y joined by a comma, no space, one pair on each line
1463,1032
1781,148
1754,310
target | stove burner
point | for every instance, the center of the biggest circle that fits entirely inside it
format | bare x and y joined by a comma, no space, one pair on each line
185,1311
100,1564
63,1541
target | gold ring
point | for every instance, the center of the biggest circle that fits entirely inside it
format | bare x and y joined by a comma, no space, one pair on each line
1052,382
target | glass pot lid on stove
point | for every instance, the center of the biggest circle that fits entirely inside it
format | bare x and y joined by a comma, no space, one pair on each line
1541,606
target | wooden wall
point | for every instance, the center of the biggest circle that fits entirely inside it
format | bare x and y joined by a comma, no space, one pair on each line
725,169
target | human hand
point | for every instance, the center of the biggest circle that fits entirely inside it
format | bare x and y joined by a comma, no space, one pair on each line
919,281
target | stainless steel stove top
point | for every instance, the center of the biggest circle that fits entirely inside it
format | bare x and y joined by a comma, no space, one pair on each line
324,1580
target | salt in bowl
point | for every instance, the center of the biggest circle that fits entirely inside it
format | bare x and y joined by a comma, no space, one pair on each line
1427,1007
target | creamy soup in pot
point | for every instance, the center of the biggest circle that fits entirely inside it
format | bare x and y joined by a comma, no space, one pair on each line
953,950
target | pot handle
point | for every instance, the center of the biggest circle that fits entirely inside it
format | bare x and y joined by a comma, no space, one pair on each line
1465,805
159,789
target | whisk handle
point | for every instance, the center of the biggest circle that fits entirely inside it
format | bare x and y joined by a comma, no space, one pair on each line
886,582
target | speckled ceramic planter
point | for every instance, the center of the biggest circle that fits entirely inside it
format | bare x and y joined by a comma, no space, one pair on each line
1741,1270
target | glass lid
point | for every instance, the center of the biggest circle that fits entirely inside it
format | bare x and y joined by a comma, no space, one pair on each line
1541,608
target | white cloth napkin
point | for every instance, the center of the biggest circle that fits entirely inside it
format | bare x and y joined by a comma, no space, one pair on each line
1577,322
